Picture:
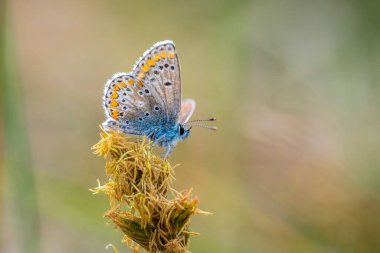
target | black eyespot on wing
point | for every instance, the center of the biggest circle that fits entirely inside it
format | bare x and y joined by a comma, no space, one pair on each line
147,114
167,83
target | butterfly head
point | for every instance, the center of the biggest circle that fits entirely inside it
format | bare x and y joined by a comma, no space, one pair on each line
183,132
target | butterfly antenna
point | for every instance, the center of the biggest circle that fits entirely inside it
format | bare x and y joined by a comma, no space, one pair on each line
202,120
214,128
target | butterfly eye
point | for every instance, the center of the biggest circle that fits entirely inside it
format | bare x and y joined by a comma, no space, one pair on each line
181,130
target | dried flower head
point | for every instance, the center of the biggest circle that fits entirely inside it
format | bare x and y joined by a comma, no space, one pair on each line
138,188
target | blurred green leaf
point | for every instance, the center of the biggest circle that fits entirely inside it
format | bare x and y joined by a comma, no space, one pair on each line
18,168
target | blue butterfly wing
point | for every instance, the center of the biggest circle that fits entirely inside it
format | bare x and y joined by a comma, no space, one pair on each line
147,98
130,106
159,68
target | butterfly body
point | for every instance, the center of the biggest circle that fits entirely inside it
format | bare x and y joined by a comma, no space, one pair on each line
147,101
169,137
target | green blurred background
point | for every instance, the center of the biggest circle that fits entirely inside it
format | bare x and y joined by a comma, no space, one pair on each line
294,85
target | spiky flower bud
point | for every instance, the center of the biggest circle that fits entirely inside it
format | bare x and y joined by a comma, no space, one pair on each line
138,188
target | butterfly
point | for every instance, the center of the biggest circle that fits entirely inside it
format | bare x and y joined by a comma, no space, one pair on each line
147,101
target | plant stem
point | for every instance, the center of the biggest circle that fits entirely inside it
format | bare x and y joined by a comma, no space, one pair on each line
18,170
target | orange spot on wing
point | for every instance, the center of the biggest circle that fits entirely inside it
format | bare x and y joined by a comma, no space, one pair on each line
131,81
145,68
141,84
163,54
151,62
116,88
123,84
113,103
157,57
115,114
171,55
114,95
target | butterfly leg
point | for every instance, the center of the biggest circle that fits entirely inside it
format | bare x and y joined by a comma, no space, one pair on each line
168,151
157,141
152,136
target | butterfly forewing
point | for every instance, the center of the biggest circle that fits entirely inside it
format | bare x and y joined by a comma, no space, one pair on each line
159,70
187,109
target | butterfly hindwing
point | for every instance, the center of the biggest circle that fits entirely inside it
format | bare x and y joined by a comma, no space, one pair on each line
130,105
149,96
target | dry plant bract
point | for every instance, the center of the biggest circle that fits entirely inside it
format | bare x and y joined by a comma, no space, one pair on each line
139,186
